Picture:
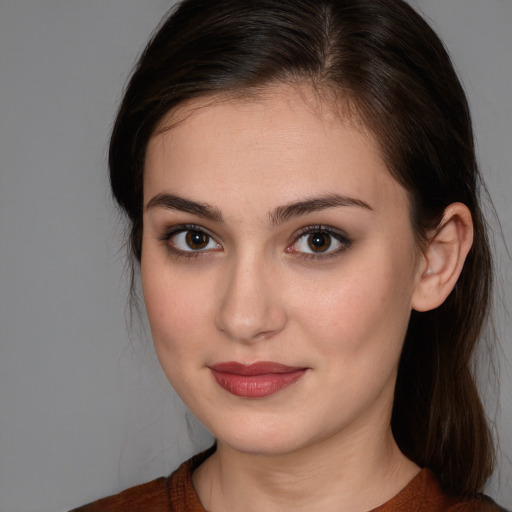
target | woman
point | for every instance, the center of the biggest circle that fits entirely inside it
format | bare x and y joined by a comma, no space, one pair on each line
302,189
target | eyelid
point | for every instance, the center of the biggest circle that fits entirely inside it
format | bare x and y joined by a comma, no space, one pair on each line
340,236
337,234
181,228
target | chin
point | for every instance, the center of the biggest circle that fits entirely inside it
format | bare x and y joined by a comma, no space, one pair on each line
263,437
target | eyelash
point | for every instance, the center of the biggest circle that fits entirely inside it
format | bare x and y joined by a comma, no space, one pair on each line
332,233
176,230
339,236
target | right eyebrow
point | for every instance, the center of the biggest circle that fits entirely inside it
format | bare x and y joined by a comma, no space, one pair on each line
173,202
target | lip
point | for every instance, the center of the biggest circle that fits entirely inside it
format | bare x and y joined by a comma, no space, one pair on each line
257,380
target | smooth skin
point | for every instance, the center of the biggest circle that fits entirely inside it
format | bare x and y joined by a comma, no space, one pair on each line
273,231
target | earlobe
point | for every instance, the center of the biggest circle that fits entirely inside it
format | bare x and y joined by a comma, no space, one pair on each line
443,258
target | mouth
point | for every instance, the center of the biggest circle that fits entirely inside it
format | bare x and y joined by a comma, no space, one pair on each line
257,380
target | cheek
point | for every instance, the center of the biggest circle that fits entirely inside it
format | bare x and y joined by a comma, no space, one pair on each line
177,317
363,311
177,306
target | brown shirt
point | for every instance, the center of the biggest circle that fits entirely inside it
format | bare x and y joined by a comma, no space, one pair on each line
177,494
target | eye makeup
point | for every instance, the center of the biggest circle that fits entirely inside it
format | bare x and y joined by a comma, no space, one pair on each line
316,242
319,242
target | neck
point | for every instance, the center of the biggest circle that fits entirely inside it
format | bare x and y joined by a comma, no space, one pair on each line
356,474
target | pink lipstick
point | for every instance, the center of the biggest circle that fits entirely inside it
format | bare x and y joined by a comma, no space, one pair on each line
257,380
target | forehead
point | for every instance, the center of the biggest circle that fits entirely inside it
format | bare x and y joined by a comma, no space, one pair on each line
277,145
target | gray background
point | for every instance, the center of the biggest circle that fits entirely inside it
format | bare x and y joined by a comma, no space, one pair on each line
84,410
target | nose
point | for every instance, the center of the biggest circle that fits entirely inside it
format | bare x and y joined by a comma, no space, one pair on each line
250,306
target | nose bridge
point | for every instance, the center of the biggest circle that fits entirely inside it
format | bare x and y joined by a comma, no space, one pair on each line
249,307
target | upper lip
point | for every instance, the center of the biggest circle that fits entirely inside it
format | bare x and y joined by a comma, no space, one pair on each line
258,368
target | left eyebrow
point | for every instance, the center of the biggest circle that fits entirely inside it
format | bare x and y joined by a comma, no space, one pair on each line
283,213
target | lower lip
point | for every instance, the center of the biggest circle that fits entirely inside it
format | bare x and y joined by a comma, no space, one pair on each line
256,386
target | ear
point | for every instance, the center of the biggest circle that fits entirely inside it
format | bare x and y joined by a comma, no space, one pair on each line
443,258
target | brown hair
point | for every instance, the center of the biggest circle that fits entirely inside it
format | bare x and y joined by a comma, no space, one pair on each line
384,58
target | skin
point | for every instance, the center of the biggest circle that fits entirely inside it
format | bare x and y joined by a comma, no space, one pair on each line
256,292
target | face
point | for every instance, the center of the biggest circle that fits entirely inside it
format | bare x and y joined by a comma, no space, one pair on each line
278,269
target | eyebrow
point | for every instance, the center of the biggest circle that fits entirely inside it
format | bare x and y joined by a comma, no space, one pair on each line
172,202
283,213
278,216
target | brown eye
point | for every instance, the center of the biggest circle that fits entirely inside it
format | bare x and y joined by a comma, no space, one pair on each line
319,242
196,240
192,240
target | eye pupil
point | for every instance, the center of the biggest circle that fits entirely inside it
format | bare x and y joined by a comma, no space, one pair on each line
197,239
319,242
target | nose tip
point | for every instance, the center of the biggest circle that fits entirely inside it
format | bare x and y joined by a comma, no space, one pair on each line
250,308
244,328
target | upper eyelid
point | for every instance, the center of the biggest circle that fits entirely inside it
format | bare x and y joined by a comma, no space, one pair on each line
312,228
319,228
179,228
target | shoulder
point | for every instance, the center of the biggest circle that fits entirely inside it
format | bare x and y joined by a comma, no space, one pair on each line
481,503
424,494
152,496
165,494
